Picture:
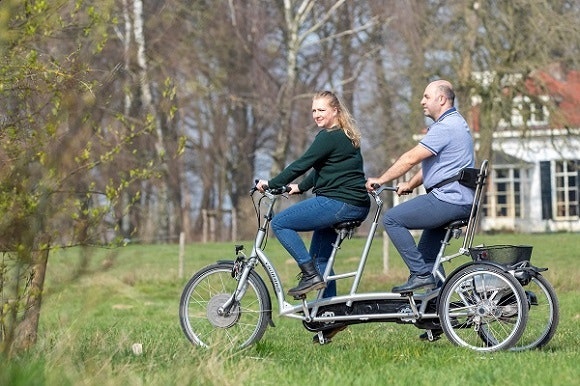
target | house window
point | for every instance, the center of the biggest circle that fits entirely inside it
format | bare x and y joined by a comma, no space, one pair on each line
526,111
532,113
504,198
566,189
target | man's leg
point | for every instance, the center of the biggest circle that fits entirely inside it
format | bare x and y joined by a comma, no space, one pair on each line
422,212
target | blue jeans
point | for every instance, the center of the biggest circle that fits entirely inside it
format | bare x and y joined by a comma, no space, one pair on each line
316,214
422,212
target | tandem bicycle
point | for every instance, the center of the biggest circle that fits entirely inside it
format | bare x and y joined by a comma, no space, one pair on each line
496,301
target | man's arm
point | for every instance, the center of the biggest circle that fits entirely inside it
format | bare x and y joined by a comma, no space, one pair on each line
403,165
408,186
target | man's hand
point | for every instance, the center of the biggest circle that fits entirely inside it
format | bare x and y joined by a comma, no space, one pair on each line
404,188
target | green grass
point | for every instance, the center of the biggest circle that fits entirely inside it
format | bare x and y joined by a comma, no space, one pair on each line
131,295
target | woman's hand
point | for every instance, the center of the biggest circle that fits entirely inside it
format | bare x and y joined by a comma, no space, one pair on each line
294,189
261,184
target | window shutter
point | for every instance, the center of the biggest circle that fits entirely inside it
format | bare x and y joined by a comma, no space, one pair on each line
578,182
546,186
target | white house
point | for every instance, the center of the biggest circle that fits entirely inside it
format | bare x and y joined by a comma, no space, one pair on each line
534,184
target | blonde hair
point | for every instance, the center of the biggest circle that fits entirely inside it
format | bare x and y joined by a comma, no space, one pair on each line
344,117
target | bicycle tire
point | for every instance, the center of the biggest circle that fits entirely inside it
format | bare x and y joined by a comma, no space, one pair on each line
544,314
206,291
483,308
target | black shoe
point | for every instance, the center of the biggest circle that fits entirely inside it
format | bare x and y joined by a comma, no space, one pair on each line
327,335
310,280
435,335
416,281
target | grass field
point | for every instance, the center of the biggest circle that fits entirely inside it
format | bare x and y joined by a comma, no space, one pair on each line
90,321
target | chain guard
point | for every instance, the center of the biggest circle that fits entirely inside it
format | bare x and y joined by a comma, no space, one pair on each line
368,307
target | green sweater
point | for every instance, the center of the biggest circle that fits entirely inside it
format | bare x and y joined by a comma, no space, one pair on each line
337,169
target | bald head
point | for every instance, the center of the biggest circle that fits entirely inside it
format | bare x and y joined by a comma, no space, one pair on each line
438,98
446,89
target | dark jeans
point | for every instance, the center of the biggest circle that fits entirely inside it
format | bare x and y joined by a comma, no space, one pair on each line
316,214
422,212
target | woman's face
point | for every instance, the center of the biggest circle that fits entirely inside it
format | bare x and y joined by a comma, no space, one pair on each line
323,114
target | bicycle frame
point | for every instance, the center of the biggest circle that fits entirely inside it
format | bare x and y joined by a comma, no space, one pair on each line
411,306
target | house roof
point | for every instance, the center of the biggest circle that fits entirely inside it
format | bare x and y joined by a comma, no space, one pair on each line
502,158
563,87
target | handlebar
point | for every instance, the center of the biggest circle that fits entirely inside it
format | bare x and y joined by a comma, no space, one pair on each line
379,188
274,191
280,190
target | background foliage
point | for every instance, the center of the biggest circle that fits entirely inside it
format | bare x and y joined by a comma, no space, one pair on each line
131,121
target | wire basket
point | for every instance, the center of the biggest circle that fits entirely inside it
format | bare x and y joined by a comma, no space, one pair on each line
502,254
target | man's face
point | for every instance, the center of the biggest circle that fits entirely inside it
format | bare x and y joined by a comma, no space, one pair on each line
432,102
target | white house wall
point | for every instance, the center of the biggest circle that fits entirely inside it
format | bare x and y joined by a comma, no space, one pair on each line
539,145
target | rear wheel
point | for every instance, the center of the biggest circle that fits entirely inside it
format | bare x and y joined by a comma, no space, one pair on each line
201,315
544,314
483,308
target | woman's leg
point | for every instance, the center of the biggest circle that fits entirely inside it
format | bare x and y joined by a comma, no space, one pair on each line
304,216
316,214
312,214
323,239
320,250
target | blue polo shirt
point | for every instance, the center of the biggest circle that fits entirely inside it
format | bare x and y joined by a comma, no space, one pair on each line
450,141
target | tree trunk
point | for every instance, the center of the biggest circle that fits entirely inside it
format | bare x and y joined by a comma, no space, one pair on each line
27,329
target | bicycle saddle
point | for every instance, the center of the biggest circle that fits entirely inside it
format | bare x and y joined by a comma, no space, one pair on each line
351,224
457,223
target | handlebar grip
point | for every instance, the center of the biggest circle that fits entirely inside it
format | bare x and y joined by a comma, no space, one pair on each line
281,190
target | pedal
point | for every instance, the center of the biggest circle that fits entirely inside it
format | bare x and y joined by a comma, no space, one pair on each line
428,335
325,336
320,338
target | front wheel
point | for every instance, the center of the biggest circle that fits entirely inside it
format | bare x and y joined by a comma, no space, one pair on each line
484,308
202,318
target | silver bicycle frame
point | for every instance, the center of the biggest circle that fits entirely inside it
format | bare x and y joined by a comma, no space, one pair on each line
308,309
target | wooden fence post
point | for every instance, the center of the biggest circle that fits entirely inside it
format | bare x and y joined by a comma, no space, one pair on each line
385,253
181,254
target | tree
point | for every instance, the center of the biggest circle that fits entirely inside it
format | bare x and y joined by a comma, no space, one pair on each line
60,135
495,47
399,73
248,88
